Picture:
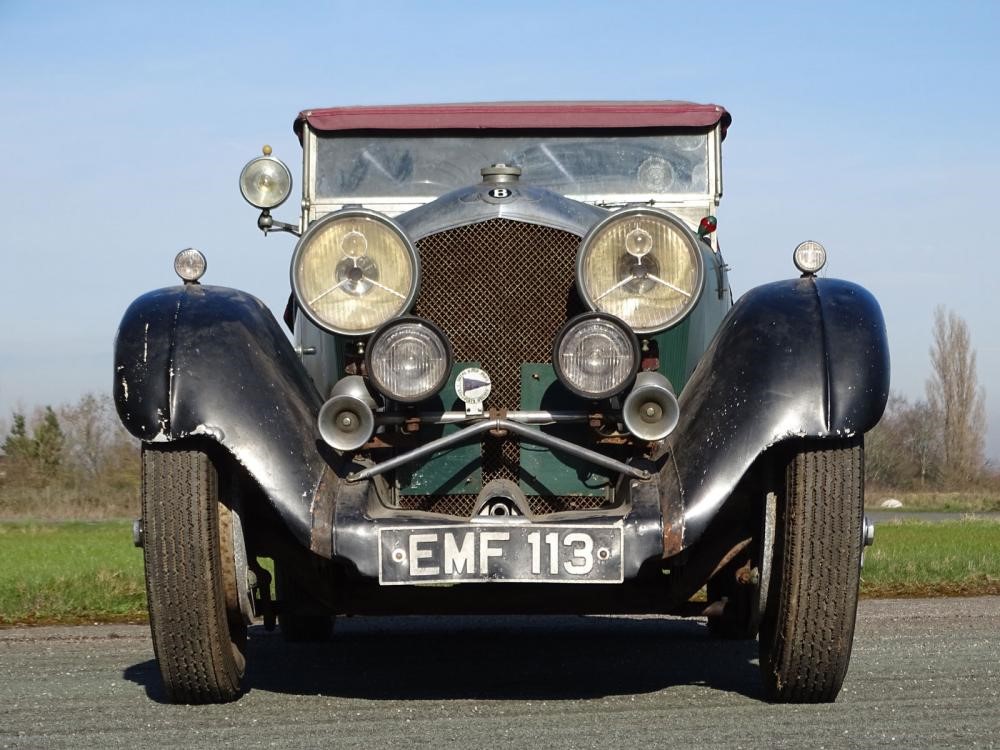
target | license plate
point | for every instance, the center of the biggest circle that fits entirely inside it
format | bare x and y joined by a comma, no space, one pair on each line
509,553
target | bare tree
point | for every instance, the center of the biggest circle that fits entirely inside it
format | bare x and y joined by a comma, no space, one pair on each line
920,440
903,450
93,434
955,398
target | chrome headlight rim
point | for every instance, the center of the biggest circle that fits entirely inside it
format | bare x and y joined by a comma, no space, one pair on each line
318,226
190,265
694,248
614,320
387,327
809,257
271,160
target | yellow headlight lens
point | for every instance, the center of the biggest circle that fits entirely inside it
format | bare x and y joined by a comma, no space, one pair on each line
354,270
642,266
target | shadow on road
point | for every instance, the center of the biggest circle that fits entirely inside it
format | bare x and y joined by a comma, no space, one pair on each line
497,658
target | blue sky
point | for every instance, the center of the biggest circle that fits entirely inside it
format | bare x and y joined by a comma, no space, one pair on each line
123,129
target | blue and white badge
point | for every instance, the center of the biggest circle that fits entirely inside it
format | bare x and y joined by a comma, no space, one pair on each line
473,385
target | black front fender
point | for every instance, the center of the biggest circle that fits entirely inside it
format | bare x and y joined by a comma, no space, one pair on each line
799,358
211,361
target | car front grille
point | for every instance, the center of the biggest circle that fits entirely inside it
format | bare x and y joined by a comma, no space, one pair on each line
501,289
463,505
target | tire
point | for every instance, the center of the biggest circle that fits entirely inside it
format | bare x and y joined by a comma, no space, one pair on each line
199,642
808,625
296,626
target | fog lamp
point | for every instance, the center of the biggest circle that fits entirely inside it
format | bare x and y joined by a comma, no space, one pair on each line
409,359
809,257
596,355
190,265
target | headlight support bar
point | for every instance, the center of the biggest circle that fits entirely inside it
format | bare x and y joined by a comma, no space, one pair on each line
455,417
467,434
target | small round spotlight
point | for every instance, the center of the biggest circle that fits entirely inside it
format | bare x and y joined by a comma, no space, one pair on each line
809,257
190,265
265,182
596,355
409,359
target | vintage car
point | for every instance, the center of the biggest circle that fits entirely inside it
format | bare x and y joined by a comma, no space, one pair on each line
516,382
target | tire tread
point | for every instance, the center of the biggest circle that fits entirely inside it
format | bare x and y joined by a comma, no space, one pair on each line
191,635
808,630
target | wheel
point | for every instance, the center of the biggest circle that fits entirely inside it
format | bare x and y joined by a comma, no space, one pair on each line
808,625
191,563
296,623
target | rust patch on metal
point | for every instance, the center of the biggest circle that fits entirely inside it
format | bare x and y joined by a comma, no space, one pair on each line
672,508
498,414
728,557
614,440
324,501
745,574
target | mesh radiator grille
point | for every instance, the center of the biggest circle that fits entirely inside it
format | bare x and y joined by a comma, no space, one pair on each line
463,505
501,290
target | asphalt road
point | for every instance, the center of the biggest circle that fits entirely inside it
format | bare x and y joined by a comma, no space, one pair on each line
924,674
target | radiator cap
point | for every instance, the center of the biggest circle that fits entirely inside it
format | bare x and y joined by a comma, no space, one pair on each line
500,173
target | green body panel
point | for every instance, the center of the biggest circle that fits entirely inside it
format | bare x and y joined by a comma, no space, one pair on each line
544,472
680,347
672,346
456,471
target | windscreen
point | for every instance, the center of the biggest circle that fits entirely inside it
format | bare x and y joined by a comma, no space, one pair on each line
365,166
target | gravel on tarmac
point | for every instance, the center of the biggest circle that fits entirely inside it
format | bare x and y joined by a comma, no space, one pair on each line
925,673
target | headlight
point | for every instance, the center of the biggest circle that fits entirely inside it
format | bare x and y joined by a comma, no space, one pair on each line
596,355
409,359
265,181
354,270
643,266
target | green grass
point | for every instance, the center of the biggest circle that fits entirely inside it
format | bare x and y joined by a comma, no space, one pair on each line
70,572
90,572
950,558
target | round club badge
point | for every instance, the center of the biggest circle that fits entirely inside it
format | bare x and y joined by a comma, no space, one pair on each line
473,385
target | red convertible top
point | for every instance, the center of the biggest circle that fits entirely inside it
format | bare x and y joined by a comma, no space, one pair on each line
516,116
